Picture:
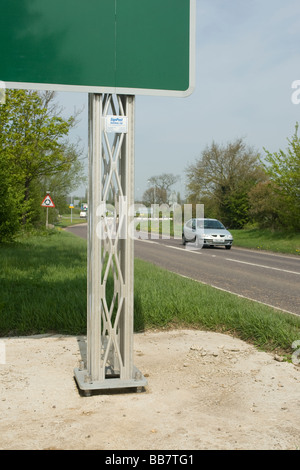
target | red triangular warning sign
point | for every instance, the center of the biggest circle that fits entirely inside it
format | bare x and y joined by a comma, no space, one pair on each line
47,202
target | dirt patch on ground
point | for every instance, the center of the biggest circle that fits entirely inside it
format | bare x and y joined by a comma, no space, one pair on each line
205,391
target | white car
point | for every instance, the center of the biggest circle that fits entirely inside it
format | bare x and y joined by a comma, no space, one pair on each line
206,232
83,215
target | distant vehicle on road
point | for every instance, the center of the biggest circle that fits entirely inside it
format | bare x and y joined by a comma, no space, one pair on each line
206,232
83,214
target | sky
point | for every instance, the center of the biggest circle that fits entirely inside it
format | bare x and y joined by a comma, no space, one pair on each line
247,57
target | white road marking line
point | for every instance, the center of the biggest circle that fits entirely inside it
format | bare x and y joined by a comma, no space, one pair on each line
170,246
145,240
184,249
262,266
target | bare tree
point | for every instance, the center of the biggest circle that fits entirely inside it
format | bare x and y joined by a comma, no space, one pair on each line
160,188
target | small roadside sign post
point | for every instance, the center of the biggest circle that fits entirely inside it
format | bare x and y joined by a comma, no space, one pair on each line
71,206
113,50
47,202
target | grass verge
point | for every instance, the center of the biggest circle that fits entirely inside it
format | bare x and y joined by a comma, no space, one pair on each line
65,221
164,299
43,284
43,289
279,242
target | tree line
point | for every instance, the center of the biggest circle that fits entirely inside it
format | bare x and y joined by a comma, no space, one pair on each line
240,186
35,156
234,182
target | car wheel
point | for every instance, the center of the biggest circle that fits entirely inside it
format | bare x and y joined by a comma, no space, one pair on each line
183,240
228,247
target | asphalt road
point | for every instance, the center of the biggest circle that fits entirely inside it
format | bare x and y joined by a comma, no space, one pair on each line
269,278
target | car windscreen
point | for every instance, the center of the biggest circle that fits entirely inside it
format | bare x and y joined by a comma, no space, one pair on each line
210,224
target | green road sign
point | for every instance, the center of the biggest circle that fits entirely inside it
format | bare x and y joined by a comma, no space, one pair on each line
113,46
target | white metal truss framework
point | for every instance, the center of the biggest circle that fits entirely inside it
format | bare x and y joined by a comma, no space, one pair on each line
110,269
